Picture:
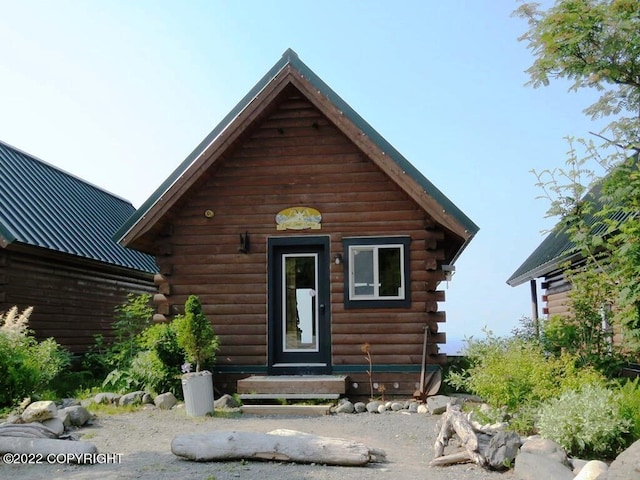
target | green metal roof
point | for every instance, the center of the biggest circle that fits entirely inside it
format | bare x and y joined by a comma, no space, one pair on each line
290,58
557,248
43,206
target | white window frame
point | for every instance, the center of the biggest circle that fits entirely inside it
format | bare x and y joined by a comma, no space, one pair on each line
375,248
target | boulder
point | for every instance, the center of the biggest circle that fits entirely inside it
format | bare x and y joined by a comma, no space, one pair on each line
225,401
396,406
437,404
107,398
530,466
502,449
55,425
78,415
547,448
593,470
626,466
39,411
372,407
165,401
345,407
422,408
360,407
132,398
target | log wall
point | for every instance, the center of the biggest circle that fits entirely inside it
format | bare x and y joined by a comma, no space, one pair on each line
296,157
72,303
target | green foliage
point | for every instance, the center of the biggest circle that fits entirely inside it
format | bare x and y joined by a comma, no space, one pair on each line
195,334
516,373
27,367
585,422
144,356
596,44
629,405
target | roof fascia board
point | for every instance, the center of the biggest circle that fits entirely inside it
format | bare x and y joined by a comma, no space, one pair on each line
210,155
543,269
392,168
386,148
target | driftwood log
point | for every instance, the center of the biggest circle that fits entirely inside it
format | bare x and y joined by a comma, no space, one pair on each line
454,421
45,446
283,445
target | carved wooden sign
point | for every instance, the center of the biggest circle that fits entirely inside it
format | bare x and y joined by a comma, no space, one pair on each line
298,218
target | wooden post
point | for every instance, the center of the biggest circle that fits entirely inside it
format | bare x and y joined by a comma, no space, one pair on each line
534,307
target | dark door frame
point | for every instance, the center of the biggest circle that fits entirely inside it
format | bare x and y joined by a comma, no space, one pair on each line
276,246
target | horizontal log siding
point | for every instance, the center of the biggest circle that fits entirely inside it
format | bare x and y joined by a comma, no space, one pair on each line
71,304
296,157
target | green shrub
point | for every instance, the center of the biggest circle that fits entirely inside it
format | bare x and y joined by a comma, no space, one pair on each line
513,372
586,422
629,404
27,367
195,333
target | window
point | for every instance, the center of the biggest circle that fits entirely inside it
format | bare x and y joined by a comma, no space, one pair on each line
377,272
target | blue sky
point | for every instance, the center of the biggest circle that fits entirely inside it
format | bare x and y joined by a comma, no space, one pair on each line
120,92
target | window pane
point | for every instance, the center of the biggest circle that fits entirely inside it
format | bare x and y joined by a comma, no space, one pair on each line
390,272
363,272
300,303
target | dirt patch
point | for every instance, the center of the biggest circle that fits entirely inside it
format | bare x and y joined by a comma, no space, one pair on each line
142,441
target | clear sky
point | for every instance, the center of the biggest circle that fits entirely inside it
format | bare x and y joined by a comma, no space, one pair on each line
119,92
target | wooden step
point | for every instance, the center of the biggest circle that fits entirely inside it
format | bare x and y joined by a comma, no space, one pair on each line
281,385
289,396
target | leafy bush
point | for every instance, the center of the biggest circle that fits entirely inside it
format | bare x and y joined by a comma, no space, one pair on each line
629,404
585,422
513,372
27,367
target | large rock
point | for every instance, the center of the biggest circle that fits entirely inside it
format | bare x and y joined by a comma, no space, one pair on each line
502,450
133,398
78,415
55,425
372,407
529,466
39,411
345,407
547,448
107,398
627,465
225,401
165,401
437,404
593,470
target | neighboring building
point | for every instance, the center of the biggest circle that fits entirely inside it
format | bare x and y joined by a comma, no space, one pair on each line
550,261
306,235
57,254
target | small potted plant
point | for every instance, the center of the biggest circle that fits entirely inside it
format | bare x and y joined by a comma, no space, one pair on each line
195,335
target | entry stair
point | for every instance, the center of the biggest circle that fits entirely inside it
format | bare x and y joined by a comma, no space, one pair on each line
263,395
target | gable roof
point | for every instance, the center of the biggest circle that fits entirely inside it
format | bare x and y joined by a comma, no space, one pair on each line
43,206
291,70
558,248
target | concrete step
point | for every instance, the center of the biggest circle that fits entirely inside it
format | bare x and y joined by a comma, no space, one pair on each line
300,410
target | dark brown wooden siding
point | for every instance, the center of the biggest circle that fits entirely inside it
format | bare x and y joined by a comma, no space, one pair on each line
296,157
71,303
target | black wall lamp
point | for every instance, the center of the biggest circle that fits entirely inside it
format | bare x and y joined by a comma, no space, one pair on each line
337,258
244,243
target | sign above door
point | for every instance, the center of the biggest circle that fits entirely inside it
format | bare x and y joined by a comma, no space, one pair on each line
298,218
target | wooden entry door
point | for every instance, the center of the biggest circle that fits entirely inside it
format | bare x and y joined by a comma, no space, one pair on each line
299,310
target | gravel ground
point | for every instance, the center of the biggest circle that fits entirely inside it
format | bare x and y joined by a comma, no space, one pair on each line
143,440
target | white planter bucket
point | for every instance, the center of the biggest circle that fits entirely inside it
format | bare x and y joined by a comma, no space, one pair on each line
198,393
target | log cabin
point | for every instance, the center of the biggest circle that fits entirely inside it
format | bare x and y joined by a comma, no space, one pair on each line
57,254
308,239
